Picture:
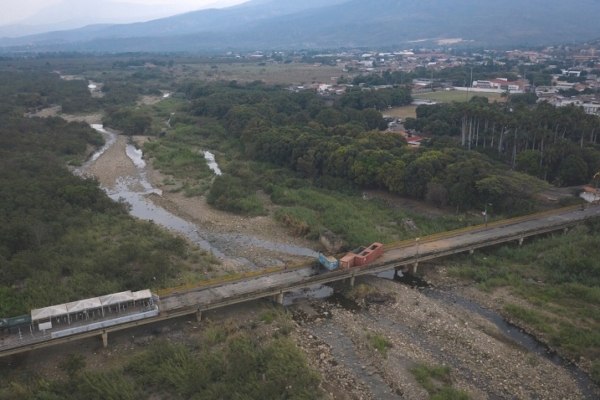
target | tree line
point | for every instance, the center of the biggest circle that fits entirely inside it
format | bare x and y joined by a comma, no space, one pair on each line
558,145
61,237
347,142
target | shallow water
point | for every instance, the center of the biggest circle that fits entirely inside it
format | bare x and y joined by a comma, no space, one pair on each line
514,335
134,190
212,164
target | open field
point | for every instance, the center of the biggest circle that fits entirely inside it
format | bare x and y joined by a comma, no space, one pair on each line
402,112
294,73
449,96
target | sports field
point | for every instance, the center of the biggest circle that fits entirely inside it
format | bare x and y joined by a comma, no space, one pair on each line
448,96
402,112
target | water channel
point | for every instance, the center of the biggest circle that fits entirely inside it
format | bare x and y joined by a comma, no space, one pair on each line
514,335
134,190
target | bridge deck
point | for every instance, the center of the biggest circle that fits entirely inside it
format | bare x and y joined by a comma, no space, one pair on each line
398,256
183,302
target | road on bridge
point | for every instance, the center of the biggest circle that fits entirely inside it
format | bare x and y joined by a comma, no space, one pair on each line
400,255
408,254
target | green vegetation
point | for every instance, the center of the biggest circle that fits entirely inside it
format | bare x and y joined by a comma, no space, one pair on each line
128,120
227,362
30,91
380,343
234,194
313,161
72,365
558,277
61,237
450,96
437,381
339,146
558,145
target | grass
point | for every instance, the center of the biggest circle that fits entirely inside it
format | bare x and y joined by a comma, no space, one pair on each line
402,112
380,343
308,210
226,363
557,279
437,381
452,95
283,74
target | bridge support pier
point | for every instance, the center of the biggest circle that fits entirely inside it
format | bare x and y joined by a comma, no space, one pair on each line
414,268
104,339
199,316
565,230
352,279
471,251
279,298
520,241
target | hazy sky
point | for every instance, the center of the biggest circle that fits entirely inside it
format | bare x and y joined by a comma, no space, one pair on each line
15,10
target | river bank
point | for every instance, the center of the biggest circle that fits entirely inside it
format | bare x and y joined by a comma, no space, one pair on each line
424,330
421,330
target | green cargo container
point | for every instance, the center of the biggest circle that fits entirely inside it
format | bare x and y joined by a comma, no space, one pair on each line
20,320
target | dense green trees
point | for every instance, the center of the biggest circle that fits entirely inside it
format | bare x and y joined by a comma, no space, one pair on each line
61,237
555,144
128,120
30,90
298,131
378,99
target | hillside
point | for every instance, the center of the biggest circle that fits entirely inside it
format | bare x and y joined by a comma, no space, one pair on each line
336,23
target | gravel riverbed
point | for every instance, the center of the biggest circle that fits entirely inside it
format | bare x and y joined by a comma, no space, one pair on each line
485,363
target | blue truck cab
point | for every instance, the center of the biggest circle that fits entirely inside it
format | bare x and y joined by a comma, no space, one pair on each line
329,262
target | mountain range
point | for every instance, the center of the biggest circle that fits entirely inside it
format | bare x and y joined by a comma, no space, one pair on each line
73,14
291,24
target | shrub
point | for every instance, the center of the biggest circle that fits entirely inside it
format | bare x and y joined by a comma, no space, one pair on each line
436,380
72,364
380,343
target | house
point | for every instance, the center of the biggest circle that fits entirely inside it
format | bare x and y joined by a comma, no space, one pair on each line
589,106
500,83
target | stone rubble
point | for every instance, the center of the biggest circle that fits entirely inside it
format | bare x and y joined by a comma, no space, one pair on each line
484,362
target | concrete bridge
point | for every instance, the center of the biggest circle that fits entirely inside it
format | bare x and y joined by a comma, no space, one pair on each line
274,283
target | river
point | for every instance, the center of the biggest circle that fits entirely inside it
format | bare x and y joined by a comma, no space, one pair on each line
135,189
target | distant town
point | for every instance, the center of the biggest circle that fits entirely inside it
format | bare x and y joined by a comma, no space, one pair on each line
560,75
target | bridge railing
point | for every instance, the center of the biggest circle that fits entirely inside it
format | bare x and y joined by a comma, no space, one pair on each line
473,228
423,239
230,278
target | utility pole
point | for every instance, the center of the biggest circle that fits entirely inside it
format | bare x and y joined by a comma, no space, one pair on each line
470,84
432,79
597,178
486,214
